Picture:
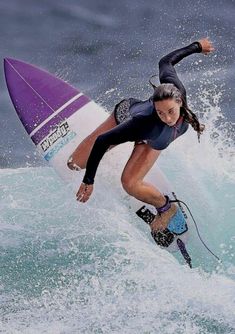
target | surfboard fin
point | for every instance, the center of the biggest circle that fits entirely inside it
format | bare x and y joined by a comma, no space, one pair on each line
184,252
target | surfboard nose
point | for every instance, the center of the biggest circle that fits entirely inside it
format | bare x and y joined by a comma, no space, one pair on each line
11,66
36,94
14,67
8,62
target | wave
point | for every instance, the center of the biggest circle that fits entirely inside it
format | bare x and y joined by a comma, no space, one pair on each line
68,267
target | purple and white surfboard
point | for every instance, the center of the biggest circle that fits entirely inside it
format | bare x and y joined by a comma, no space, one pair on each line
57,117
48,107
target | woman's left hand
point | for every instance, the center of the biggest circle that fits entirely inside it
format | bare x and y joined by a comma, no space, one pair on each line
84,192
206,45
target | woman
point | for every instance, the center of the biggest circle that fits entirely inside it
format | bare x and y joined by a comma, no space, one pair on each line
152,124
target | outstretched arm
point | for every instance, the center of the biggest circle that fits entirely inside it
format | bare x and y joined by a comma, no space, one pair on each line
167,72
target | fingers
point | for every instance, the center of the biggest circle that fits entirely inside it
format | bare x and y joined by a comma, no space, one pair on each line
84,192
82,196
206,45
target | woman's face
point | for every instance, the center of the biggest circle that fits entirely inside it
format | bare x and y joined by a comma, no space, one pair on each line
168,111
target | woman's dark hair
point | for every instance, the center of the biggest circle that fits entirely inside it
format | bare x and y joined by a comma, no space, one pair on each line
170,91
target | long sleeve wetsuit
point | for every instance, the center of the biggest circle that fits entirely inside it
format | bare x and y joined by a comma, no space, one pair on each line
144,123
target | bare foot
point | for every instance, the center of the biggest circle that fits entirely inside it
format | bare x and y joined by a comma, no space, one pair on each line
161,222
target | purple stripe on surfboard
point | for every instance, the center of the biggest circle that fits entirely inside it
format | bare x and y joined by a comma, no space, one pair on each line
35,93
63,115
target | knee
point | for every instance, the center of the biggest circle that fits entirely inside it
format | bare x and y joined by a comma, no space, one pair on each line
74,165
129,184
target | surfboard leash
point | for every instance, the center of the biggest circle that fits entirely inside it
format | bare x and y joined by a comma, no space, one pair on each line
164,238
196,226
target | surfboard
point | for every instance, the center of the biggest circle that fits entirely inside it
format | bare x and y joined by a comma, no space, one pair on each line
57,117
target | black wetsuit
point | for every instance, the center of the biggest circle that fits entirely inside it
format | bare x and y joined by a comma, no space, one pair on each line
144,123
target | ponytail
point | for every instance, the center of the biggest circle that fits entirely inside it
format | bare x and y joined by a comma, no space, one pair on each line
192,119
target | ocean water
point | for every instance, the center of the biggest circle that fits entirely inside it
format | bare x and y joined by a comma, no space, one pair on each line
71,268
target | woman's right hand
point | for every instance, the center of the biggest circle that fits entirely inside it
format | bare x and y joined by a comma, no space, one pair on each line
206,45
84,192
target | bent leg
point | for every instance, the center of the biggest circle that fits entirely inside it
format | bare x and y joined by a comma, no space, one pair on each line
140,162
79,157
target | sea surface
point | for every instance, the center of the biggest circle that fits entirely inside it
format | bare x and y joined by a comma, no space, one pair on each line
70,268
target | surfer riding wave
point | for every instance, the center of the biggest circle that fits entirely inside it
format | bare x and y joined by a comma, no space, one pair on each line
152,125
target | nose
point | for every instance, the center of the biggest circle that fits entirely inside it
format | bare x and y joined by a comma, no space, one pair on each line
168,119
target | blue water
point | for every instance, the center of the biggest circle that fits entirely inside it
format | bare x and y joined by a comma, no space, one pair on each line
68,268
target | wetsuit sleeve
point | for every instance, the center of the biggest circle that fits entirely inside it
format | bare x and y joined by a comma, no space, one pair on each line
127,131
167,72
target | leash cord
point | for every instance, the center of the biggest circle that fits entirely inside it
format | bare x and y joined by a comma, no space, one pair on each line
198,233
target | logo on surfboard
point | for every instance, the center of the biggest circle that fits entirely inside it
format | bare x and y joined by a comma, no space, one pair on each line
59,132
